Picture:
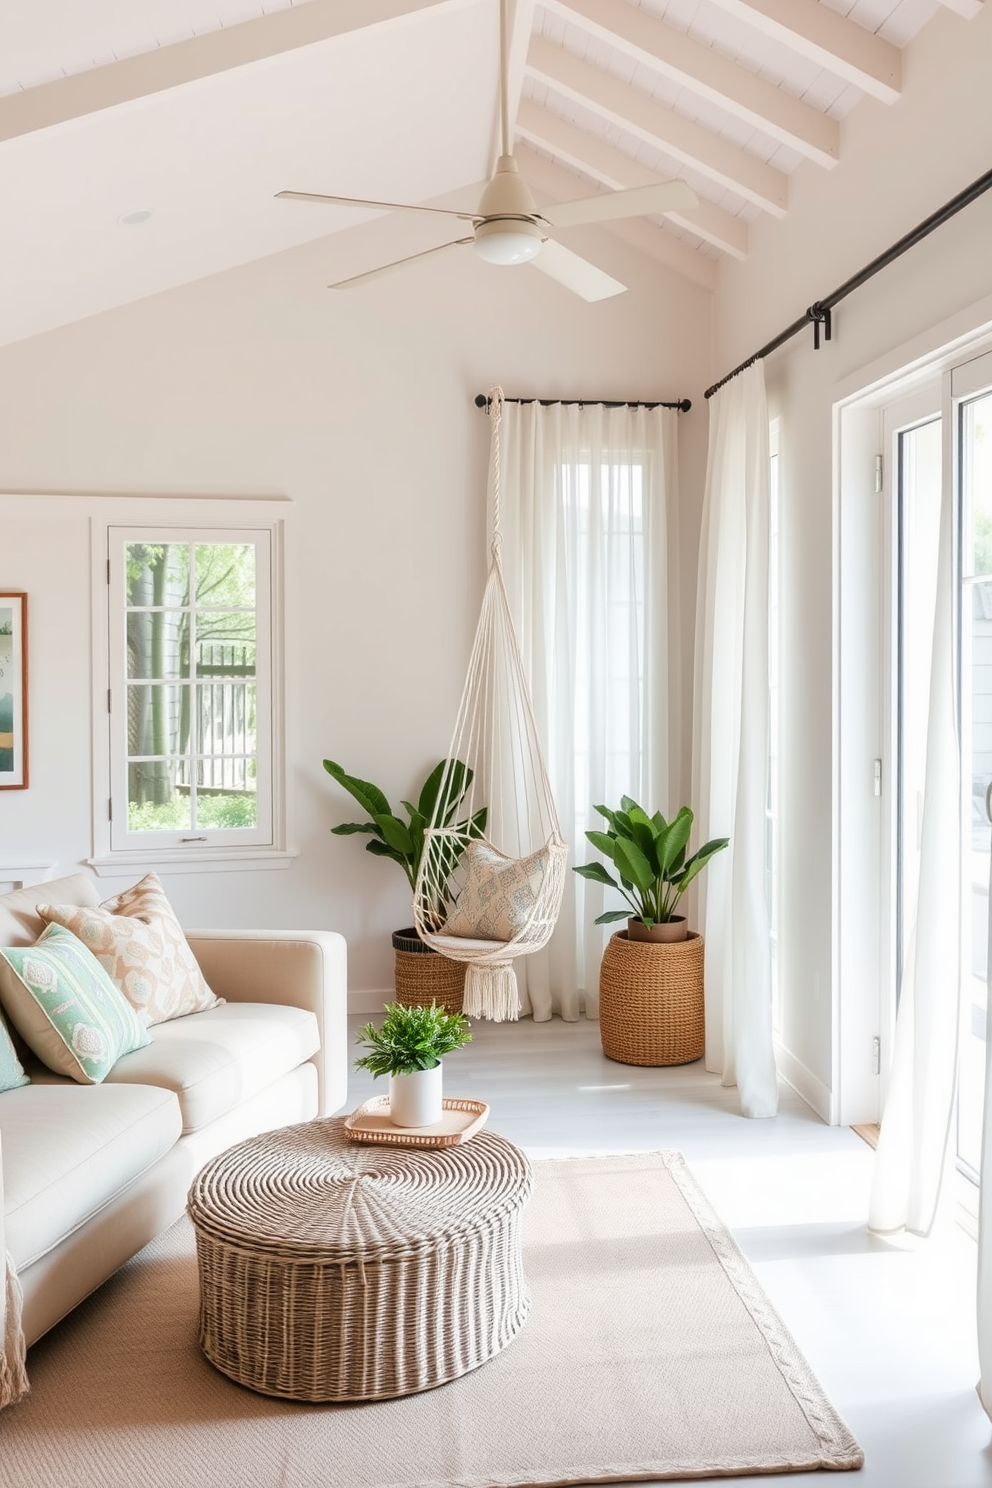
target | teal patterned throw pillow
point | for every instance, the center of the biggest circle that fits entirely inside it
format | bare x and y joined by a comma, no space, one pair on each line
11,1069
66,1008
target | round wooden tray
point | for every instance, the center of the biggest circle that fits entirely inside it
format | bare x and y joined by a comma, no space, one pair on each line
461,1120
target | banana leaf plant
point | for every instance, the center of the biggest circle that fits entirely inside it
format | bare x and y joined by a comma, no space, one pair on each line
403,841
649,855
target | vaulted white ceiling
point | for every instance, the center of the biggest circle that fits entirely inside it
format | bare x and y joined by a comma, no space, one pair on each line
201,110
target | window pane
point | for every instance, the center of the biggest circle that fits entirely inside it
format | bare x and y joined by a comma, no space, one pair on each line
157,718
226,720
976,470
225,643
158,801
157,573
226,793
225,574
158,643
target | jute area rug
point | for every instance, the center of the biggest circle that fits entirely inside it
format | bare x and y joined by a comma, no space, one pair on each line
650,1354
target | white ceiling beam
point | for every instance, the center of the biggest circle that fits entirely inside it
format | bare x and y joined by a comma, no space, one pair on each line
521,27
699,68
214,52
967,8
659,126
829,39
615,169
550,181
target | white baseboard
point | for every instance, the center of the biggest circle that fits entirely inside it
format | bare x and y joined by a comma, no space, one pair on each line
804,1083
369,1004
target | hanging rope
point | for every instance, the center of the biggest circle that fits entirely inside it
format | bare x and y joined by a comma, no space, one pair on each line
492,872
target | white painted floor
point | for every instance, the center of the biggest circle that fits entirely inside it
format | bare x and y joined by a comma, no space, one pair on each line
888,1327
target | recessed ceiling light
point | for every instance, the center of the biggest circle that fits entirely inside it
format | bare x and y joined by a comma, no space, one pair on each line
135,217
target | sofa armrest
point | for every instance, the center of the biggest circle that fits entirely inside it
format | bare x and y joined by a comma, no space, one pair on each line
295,968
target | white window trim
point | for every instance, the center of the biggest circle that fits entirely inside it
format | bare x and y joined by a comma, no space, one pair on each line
207,515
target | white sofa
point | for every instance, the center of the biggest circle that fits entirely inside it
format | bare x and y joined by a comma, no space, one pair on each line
91,1173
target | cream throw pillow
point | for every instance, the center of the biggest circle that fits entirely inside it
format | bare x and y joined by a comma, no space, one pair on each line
66,1008
498,894
141,946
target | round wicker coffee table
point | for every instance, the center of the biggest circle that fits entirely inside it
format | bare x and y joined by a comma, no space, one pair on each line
331,1270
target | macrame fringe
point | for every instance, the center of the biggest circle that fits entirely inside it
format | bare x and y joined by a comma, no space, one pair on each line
13,1374
491,992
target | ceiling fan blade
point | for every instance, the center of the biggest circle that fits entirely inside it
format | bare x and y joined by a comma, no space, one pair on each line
575,273
397,263
638,201
358,201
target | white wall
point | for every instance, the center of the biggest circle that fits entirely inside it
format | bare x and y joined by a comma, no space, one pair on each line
899,164
358,407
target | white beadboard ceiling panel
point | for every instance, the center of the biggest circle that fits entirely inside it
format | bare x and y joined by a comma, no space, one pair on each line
201,109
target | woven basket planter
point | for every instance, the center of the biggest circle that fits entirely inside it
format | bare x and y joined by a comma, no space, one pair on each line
651,1001
422,975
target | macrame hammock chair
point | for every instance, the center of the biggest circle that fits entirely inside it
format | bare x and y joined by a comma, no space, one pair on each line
490,883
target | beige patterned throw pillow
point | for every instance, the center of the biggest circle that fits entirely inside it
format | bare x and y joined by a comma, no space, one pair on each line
140,944
498,894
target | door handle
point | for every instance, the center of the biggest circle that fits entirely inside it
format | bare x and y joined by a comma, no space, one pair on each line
988,802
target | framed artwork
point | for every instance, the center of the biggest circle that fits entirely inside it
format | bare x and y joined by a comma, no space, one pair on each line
13,691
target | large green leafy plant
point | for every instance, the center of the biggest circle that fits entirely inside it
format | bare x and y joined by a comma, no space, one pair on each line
411,1039
649,855
403,841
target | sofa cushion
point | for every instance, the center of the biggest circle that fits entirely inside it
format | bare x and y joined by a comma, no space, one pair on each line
20,923
216,1059
140,944
70,1149
66,1008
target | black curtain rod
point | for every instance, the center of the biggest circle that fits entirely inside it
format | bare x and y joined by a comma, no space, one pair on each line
683,405
819,313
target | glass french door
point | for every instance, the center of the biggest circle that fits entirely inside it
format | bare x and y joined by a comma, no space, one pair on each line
971,389
925,462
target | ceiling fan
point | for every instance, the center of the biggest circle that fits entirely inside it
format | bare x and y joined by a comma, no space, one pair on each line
508,228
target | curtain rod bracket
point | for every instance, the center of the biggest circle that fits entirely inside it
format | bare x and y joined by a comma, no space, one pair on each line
820,314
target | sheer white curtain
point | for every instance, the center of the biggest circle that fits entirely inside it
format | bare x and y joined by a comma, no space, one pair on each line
730,738
985,1200
588,507
916,1121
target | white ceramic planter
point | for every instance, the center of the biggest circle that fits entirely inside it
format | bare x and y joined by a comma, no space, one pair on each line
415,1100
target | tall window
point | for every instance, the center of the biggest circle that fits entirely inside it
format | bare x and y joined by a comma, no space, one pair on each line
589,510
603,517
190,688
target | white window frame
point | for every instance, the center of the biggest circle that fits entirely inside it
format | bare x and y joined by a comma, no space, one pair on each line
116,851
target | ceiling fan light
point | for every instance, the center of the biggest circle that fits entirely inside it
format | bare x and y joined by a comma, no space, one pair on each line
508,242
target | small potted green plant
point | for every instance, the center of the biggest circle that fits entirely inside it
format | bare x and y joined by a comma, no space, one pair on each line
651,995
649,854
409,1046
421,974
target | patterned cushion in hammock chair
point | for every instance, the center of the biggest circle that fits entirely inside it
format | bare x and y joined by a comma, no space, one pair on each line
498,894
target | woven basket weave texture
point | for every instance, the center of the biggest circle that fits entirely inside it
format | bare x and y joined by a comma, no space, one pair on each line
651,1000
421,980
331,1271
